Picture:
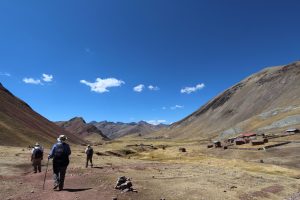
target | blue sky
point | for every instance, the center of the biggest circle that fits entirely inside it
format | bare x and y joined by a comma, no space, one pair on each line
205,45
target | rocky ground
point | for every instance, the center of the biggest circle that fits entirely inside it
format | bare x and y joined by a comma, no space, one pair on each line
157,172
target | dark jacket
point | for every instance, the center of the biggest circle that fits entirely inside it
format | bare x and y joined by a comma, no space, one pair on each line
64,159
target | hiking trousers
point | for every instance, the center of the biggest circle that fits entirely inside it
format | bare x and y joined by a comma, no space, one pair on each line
89,158
37,164
59,173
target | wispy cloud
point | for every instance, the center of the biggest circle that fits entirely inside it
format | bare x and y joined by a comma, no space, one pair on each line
176,107
5,74
153,88
164,108
102,85
32,81
47,77
88,50
157,122
139,88
189,90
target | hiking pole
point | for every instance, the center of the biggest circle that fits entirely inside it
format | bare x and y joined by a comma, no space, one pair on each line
45,175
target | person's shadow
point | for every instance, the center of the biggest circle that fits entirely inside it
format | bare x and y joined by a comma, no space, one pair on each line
76,190
98,167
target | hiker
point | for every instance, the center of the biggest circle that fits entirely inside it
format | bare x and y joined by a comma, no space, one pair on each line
89,155
60,153
37,157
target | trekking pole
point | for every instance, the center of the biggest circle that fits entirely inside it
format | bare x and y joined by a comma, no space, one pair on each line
45,175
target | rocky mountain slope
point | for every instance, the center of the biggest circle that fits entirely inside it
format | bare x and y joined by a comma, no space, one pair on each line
20,125
78,126
266,101
115,130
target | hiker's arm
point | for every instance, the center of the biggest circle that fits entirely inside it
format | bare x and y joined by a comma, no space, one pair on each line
51,154
69,150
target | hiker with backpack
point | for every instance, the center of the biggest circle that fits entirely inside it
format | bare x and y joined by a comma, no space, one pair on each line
60,153
37,154
89,155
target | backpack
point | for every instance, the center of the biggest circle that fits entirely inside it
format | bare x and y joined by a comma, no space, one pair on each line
37,153
89,152
59,152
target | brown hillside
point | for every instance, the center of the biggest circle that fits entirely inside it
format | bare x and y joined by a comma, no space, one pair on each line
265,101
20,125
78,126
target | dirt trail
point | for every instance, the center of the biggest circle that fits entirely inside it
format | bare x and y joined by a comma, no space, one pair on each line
155,174
77,186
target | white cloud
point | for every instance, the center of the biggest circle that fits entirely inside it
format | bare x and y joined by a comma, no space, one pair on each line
4,74
32,81
47,77
139,88
101,85
189,90
154,88
164,108
156,122
176,107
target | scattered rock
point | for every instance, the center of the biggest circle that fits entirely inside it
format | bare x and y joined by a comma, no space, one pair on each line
181,149
124,184
233,187
261,161
32,191
114,198
295,196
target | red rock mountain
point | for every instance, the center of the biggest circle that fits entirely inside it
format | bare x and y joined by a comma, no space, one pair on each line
20,125
78,126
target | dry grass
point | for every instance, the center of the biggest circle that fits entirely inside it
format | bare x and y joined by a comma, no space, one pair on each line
170,174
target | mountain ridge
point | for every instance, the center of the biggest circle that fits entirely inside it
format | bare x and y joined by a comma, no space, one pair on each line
270,88
20,125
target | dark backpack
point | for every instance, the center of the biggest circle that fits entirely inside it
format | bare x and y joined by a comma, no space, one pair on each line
89,152
37,153
59,153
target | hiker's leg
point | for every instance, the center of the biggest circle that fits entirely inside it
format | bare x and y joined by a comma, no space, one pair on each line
62,174
34,164
39,165
87,162
34,167
55,175
91,161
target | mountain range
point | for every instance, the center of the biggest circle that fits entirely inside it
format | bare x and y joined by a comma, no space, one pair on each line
267,102
108,130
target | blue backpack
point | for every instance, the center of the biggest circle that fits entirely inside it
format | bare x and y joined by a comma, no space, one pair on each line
37,153
59,153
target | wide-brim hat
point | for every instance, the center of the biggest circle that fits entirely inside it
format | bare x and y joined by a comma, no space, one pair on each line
37,144
62,138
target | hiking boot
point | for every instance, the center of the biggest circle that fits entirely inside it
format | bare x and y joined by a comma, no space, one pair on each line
55,186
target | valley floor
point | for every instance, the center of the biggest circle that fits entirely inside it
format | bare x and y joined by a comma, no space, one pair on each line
157,170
